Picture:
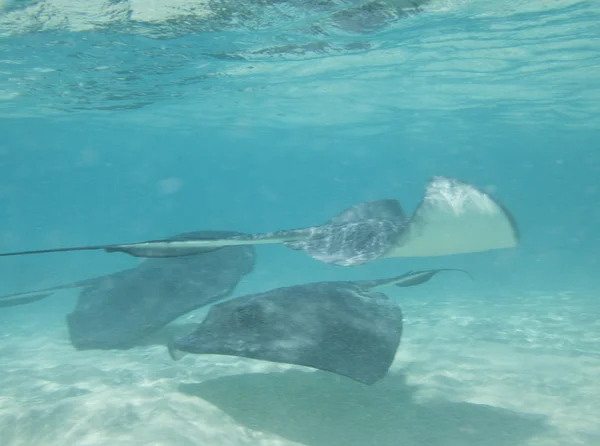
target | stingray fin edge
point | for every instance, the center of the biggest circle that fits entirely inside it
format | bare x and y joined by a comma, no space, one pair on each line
175,354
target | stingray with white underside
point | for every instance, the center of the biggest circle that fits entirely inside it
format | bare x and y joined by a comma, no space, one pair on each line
344,328
118,310
453,218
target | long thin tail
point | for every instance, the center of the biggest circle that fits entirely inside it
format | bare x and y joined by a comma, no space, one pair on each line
175,248
26,297
411,278
46,251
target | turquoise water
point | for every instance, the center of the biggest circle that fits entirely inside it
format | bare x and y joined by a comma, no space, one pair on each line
129,120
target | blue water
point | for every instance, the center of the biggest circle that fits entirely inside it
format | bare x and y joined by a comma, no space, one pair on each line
125,121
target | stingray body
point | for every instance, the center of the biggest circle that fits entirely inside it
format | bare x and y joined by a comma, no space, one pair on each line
345,328
117,310
453,218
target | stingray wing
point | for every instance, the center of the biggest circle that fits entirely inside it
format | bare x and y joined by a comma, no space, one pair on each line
456,218
357,235
331,326
118,314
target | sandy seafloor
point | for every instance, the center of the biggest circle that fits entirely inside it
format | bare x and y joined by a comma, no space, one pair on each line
512,370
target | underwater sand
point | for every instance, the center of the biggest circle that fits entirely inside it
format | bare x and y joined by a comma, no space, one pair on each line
504,370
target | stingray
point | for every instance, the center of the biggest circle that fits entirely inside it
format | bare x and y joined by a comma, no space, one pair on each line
452,218
344,328
117,310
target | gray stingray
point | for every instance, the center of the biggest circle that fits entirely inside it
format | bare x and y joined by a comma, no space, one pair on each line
344,328
117,310
453,218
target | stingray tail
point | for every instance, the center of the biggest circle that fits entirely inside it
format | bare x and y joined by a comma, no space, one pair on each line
411,278
194,246
177,248
14,300
27,297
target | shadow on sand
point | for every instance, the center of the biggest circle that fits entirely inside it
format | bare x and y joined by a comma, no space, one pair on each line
321,409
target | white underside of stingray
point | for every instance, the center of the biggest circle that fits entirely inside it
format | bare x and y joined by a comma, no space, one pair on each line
455,218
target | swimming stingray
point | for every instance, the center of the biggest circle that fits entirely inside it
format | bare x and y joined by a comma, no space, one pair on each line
341,327
453,218
117,310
